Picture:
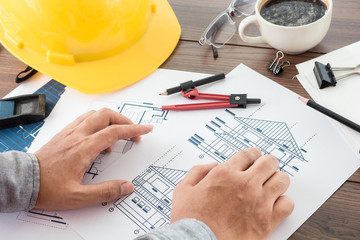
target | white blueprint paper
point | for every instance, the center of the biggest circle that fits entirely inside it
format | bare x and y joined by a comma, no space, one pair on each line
309,149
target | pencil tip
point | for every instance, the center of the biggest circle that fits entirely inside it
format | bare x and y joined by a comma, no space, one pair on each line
304,100
164,93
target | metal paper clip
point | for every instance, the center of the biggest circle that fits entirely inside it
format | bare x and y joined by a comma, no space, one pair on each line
281,67
325,74
274,65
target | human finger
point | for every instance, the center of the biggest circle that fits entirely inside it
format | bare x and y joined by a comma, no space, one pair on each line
283,207
132,132
276,185
109,149
264,168
102,119
79,119
136,138
197,173
244,159
107,137
105,191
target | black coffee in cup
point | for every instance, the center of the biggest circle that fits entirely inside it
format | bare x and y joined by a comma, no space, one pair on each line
293,12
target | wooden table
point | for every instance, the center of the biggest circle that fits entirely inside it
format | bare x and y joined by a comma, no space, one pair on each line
339,217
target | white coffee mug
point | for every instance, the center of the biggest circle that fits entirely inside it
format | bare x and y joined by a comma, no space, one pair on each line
289,39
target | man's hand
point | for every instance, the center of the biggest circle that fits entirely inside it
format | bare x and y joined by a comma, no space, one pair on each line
65,158
239,199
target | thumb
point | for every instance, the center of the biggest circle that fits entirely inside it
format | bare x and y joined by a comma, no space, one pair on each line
106,191
283,207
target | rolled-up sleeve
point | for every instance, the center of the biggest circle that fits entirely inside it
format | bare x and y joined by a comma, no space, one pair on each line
19,181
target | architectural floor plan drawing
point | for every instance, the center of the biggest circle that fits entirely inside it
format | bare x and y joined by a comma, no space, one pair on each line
138,113
100,163
143,113
20,137
271,137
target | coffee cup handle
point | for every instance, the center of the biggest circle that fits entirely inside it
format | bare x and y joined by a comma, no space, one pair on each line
243,25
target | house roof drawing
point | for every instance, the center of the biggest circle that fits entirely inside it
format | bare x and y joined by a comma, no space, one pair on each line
277,132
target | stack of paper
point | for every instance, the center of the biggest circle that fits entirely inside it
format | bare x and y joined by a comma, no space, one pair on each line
344,98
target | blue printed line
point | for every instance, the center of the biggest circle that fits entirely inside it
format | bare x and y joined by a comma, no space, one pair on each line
20,138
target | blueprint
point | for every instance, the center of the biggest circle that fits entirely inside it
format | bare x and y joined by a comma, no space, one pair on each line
305,143
281,125
271,137
49,223
138,113
34,224
149,206
20,137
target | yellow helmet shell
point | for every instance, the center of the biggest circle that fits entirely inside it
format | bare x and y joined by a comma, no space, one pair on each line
92,46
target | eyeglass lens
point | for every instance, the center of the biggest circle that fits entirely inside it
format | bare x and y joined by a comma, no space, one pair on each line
221,30
243,7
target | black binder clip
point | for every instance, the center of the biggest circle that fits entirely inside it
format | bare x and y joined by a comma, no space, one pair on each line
325,74
275,67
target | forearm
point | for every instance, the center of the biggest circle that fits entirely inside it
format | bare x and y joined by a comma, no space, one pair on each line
183,229
19,181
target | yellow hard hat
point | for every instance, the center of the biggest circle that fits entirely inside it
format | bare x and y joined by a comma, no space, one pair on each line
92,46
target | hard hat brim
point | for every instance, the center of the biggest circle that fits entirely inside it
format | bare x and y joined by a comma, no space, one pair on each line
117,71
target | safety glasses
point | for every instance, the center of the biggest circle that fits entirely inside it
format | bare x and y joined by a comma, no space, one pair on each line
222,28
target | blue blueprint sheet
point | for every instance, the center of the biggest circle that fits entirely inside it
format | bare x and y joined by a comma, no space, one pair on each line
20,138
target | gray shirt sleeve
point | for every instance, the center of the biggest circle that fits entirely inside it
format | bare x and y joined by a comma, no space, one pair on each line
182,229
19,181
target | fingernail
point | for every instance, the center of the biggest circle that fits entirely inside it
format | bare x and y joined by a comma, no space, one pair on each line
213,164
127,188
149,127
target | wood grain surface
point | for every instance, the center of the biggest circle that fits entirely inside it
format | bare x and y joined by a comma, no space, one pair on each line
339,217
